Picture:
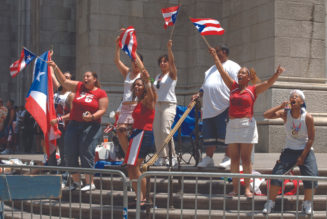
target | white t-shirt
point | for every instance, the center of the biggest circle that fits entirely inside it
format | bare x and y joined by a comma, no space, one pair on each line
215,91
166,91
127,96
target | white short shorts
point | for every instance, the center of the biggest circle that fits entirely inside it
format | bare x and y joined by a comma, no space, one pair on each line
243,130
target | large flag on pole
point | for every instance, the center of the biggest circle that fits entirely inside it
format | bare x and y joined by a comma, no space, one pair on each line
207,26
170,15
39,102
25,58
128,43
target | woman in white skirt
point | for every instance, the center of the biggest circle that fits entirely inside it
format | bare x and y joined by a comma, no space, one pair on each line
241,131
125,119
165,84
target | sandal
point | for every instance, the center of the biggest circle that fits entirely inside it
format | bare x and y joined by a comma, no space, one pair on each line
248,195
231,194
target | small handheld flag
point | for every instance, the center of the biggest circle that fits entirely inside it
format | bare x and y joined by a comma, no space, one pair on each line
170,15
207,26
25,58
128,43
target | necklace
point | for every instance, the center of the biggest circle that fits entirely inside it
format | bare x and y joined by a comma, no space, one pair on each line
295,130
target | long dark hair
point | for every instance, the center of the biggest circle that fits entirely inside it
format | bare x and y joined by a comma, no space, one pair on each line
97,82
165,56
144,91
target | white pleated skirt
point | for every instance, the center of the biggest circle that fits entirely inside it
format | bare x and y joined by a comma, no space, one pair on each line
243,130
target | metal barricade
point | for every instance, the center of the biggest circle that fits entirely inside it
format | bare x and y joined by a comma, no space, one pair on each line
204,195
108,200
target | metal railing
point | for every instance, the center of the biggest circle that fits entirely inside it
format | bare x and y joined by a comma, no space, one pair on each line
216,204
99,203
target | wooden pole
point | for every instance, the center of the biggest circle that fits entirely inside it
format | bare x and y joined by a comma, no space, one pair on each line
206,41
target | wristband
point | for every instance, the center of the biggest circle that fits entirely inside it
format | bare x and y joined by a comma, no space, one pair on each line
59,119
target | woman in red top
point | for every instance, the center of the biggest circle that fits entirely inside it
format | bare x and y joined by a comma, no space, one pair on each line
84,131
241,131
141,139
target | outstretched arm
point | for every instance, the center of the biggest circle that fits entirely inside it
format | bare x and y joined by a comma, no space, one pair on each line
171,60
66,83
120,65
262,87
225,76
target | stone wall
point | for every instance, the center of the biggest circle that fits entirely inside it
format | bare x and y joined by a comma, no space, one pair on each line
38,25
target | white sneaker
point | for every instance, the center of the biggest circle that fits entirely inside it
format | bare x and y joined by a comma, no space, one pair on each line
88,187
160,162
5,152
174,162
75,186
307,207
206,162
225,162
270,204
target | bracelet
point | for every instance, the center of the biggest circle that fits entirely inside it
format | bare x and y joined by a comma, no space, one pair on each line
59,119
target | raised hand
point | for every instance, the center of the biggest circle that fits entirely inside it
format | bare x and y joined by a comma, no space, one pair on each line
280,70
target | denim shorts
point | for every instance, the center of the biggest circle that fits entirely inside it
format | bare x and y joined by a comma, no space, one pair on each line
81,139
288,159
214,130
147,145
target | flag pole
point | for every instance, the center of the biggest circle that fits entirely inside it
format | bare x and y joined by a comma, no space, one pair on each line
172,31
206,41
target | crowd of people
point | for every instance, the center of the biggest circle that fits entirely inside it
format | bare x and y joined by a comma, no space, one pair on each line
228,94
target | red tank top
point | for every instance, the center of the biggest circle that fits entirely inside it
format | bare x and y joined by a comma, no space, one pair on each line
143,117
85,100
241,104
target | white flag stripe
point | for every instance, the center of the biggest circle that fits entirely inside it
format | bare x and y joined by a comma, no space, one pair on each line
169,14
211,21
134,149
212,29
40,98
125,36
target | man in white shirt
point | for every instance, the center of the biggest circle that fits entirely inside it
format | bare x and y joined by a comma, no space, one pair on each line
215,95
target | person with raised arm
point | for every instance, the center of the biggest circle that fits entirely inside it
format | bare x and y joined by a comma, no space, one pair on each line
84,131
241,131
215,102
125,120
141,138
165,84
298,150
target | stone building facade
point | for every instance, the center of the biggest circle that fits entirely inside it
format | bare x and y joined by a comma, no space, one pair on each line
260,33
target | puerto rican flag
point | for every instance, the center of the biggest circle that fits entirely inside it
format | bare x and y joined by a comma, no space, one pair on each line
128,43
40,104
25,58
170,15
207,26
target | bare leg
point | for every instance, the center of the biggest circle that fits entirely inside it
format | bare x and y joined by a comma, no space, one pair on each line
273,192
210,150
246,150
234,151
122,137
134,173
308,194
89,179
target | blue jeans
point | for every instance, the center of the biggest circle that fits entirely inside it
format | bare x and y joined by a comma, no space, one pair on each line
81,138
288,159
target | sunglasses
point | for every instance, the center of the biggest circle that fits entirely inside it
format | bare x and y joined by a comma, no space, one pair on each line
158,84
